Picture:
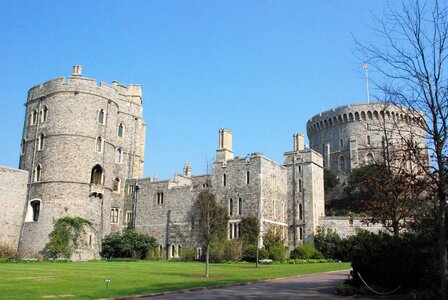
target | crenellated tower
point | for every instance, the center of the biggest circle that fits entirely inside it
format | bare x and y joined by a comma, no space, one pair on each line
81,141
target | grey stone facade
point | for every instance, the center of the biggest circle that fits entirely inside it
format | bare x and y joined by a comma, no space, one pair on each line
247,186
354,135
346,226
13,185
81,141
83,152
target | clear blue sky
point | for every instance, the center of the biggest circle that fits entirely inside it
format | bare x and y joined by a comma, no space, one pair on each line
259,68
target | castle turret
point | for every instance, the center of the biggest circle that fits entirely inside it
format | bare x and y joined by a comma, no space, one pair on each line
81,141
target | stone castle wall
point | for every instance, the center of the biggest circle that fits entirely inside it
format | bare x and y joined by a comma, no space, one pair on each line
354,135
61,137
13,189
347,226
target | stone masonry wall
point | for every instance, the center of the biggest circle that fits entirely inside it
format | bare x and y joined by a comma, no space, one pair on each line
13,185
346,226
351,136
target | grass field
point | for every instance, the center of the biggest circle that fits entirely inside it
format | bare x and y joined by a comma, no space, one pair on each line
86,280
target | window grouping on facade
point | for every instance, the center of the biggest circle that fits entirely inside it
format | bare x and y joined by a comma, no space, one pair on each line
101,116
128,217
97,175
234,230
116,185
40,142
130,189
99,144
33,117
120,130
119,155
160,198
37,174
114,212
34,208
44,114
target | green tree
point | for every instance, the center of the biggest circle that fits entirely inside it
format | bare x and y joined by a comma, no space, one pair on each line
129,244
250,233
213,222
65,237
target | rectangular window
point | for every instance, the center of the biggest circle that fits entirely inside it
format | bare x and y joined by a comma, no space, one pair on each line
114,215
128,217
247,177
130,189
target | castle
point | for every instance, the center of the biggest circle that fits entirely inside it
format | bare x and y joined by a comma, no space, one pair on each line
82,155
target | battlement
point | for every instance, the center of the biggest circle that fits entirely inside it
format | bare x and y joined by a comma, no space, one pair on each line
78,84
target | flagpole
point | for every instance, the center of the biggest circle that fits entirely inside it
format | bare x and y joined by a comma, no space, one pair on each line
364,66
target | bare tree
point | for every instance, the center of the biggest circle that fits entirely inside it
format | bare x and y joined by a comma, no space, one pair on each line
212,224
411,56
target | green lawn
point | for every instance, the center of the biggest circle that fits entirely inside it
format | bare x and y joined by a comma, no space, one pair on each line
86,280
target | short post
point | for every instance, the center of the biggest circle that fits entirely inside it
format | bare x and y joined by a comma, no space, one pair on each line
107,280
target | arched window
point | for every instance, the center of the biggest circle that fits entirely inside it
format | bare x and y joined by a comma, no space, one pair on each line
44,114
120,130
97,175
40,142
369,159
240,206
230,207
22,147
33,117
368,140
116,185
118,155
341,163
179,250
99,144
33,210
37,173
101,117
173,250
35,206
300,212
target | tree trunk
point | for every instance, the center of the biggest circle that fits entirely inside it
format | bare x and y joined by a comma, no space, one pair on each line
207,258
256,262
442,244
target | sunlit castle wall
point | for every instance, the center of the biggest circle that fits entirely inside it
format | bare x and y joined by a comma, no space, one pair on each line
81,141
354,135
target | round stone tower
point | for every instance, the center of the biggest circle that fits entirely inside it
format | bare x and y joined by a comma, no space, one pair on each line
81,141
358,134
